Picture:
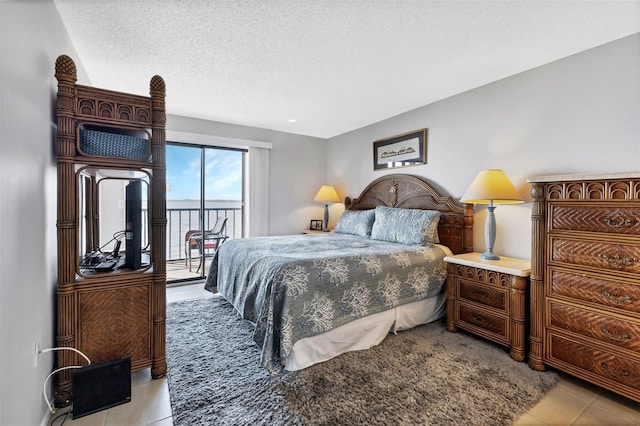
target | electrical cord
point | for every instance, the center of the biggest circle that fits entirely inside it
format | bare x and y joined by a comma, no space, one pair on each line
65,415
89,261
116,236
44,385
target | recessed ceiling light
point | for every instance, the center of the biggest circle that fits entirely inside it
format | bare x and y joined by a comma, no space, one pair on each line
293,120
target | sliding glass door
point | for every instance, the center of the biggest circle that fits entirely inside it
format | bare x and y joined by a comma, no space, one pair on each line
204,184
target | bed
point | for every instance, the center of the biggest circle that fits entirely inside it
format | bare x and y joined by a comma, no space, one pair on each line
312,297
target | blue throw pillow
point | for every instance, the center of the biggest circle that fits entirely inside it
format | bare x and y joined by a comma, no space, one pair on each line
406,226
356,222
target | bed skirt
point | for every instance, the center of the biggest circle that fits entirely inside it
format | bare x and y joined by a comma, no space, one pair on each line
365,332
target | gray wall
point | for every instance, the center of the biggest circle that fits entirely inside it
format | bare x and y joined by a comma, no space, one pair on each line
32,38
579,114
297,169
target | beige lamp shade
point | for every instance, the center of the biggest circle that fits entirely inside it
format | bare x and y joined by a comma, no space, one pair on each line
327,194
492,187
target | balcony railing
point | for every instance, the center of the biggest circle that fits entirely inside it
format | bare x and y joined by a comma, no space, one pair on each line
181,220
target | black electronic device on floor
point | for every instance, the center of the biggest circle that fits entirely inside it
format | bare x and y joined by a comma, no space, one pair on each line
97,387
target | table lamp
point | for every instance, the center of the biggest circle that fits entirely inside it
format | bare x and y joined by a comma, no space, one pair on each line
327,194
491,187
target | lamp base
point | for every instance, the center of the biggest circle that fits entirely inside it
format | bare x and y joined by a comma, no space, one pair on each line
489,255
490,234
325,223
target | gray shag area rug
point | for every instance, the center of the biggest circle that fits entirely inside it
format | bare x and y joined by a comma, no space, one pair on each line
423,376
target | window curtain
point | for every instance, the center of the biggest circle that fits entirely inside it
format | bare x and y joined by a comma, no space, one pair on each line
258,192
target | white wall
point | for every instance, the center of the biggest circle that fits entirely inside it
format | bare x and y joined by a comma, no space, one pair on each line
32,37
297,169
579,114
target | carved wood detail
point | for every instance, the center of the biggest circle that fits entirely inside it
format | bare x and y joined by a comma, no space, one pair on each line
455,228
109,315
585,286
488,303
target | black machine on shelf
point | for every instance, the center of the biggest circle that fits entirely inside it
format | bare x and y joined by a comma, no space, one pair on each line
129,256
133,225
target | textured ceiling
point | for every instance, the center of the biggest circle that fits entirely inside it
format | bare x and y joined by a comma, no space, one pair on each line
334,66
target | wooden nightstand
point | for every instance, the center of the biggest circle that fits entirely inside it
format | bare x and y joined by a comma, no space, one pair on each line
315,231
488,298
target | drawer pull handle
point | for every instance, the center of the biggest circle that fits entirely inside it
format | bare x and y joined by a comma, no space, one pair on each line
617,260
479,318
617,299
605,366
619,224
481,295
609,335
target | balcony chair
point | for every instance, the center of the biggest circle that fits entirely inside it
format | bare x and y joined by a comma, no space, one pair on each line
211,241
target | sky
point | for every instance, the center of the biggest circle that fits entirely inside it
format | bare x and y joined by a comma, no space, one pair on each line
223,173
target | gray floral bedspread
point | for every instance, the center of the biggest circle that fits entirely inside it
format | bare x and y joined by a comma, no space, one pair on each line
298,286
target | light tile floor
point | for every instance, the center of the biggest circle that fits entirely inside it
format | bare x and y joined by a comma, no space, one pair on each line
571,402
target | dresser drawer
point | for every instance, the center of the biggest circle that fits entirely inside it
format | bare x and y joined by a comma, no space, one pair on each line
594,324
606,292
484,323
596,254
607,219
484,295
611,367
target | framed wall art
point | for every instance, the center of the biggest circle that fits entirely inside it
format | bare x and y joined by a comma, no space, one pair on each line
408,149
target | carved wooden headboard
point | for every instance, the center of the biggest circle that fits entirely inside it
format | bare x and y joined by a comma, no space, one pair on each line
405,191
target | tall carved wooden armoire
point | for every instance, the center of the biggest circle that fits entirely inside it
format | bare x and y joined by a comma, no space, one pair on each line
111,299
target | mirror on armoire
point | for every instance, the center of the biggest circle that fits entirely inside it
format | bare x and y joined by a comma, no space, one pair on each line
113,220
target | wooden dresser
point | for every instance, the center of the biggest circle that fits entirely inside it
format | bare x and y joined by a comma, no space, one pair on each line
585,278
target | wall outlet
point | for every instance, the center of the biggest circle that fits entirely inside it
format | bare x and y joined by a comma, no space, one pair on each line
36,352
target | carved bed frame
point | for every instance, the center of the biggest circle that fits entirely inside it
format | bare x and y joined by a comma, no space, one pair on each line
406,191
